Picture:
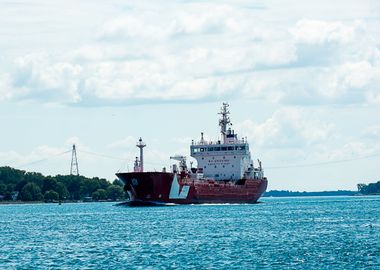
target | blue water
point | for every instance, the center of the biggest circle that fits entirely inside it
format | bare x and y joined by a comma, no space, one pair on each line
281,233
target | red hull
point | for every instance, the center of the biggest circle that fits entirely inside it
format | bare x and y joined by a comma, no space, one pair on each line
163,187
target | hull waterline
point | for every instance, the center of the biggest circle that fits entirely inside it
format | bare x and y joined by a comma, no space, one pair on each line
152,188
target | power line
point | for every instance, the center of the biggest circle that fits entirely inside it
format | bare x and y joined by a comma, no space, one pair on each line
103,155
42,160
114,157
316,164
322,163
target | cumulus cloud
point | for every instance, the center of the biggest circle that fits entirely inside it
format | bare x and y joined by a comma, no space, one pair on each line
350,82
183,52
57,158
320,32
37,155
43,78
5,87
287,128
350,150
372,132
298,136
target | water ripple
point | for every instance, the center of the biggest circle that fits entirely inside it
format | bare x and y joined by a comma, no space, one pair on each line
281,233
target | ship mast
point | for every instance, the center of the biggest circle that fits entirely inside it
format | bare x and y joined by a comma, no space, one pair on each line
224,120
140,144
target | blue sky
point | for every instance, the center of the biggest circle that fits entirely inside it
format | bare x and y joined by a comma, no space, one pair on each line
302,79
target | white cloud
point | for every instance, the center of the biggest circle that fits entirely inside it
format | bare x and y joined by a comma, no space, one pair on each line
351,150
350,80
160,22
160,52
287,128
5,87
44,79
320,32
316,57
373,97
39,154
156,53
372,132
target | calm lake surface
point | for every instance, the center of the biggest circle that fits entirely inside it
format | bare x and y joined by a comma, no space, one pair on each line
280,233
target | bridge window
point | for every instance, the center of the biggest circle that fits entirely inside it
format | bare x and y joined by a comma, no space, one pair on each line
231,148
210,149
202,149
224,148
240,147
195,150
216,148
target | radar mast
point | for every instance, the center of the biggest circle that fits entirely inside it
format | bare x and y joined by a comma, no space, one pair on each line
224,121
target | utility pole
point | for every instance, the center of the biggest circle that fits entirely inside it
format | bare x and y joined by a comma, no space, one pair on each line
74,162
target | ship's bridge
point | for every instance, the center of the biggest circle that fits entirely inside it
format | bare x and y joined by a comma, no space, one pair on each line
226,159
218,148
222,161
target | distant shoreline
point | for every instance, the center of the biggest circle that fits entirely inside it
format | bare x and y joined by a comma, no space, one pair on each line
287,193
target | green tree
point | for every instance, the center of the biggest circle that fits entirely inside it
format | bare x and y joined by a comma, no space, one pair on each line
49,183
117,182
72,183
9,175
115,192
99,194
20,185
31,192
62,191
89,186
51,195
372,188
3,189
35,177
103,183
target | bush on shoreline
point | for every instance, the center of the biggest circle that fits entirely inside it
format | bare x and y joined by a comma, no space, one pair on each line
30,186
370,189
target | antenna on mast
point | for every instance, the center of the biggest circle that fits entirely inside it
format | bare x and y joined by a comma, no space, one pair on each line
74,162
224,121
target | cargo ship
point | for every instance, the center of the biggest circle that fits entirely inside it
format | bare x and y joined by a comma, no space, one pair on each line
224,173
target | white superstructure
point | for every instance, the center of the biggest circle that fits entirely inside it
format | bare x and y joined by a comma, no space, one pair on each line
225,159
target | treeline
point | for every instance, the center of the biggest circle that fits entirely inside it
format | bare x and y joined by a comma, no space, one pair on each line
287,193
31,186
370,189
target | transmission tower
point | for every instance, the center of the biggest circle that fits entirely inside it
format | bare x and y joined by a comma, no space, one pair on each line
74,162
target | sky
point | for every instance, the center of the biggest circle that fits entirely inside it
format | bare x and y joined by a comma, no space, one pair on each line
302,79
